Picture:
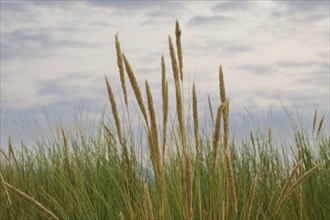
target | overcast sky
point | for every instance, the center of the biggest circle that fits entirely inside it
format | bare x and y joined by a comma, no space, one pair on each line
54,56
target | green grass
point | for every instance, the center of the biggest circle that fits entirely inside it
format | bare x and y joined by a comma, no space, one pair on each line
78,175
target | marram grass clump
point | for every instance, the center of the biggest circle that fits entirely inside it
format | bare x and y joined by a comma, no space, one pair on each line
180,172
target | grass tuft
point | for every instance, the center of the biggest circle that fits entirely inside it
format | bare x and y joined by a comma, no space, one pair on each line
191,172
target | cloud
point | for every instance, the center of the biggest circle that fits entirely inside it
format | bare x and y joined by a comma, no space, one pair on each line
58,4
218,47
213,32
134,6
306,6
165,13
232,5
321,79
234,48
300,64
295,97
12,6
70,87
208,20
302,11
257,69
35,43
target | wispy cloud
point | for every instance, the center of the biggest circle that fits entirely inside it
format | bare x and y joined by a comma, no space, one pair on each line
306,6
319,79
300,64
55,53
302,11
260,70
233,6
208,20
36,43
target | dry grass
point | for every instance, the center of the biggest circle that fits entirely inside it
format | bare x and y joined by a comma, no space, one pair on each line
118,126
195,116
24,196
222,90
121,217
249,204
301,179
5,192
287,184
121,68
136,89
186,184
229,169
215,144
189,193
154,144
216,137
289,188
164,103
148,205
179,106
179,47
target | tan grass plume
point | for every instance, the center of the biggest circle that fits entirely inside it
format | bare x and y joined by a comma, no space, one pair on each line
148,205
121,217
136,88
173,60
153,129
179,47
118,125
216,137
189,192
222,86
249,204
230,175
304,177
121,68
289,190
5,192
164,103
179,107
26,197
287,184
195,116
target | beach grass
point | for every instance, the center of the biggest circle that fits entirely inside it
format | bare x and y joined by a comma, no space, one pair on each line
181,173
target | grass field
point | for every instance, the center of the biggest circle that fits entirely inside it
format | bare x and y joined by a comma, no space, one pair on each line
169,169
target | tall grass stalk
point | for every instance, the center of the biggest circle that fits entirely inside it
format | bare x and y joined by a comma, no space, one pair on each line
191,171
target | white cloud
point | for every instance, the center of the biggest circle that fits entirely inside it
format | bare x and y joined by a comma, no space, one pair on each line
43,44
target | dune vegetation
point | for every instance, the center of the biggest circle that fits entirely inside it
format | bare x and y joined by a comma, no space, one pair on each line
169,169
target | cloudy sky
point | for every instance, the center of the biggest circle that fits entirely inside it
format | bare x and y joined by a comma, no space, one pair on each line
54,56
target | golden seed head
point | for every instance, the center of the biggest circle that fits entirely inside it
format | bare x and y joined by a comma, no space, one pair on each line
148,205
136,88
222,85
179,47
121,68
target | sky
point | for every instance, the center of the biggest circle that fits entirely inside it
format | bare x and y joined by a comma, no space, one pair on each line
55,54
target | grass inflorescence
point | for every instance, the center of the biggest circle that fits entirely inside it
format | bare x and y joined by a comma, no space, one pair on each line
181,172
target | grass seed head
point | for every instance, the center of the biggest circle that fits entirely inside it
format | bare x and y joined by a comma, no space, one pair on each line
195,116
148,205
121,68
136,89
179,47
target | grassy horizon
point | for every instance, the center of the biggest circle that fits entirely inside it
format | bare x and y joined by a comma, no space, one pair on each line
169,169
